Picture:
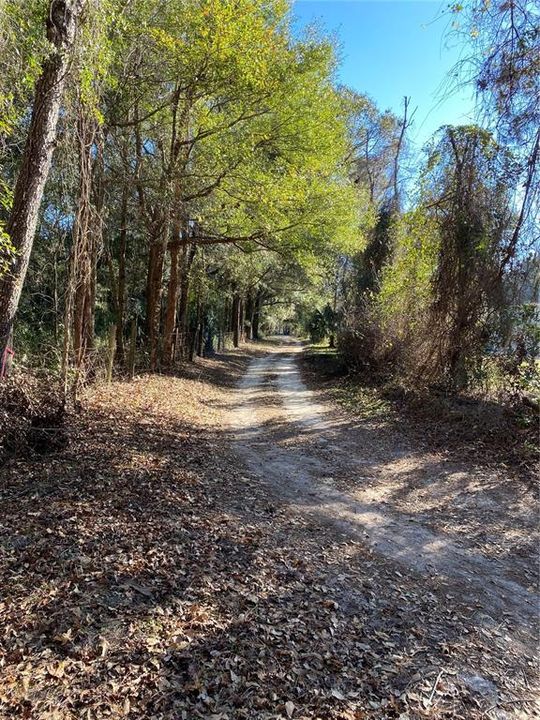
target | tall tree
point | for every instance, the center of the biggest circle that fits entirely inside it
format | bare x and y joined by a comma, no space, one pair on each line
469,182
61,26
503,65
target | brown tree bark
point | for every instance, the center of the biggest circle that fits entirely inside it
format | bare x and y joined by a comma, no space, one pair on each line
249,312
257,315
87,244
132,349
110,354
121,285
200,334
61,28
235,319
154,291
187,261
242,320
81,291
172,301
225,323
175,245
194,335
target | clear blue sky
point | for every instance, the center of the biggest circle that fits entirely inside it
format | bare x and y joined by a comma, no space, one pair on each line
392,48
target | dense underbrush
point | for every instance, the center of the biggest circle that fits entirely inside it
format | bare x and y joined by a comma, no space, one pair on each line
33,414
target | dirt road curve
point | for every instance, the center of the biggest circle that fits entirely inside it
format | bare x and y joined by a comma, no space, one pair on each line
302,449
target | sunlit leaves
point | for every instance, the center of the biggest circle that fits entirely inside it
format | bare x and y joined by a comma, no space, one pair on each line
261,129
406,286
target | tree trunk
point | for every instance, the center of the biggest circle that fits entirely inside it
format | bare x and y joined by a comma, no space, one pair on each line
180,349
62,19
110,355
55,298
235,320
250,311
257,315
221,328
132,349
153,295
121,286
242,320
399,146
87,232
95,236
200,336
172,302
175,243
187,261
332,339
90,319
195,329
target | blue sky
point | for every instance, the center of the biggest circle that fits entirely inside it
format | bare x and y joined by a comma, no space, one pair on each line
392,48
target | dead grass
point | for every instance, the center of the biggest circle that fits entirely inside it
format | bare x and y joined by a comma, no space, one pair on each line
487,432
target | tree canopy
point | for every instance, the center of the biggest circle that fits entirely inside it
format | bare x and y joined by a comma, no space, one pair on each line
210,174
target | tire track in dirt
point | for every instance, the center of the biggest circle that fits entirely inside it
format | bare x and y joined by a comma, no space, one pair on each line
281,429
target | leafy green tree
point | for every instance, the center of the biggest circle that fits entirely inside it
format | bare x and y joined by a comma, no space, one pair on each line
445,279
249,144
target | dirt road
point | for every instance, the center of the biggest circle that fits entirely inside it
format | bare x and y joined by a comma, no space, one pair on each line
330,467
225,544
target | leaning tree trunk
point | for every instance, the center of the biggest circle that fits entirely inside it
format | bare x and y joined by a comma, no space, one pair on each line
62,21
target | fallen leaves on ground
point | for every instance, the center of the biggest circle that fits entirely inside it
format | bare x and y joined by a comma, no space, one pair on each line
145,575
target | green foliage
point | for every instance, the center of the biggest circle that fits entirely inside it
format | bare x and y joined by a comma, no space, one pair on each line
438,313
216,120
406,289
6,247
267,129
317,326
23,48
372,259
6,251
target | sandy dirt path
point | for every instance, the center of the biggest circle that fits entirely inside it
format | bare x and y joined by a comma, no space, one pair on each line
297,446
301,564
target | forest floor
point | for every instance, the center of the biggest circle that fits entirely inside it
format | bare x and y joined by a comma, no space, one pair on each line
231,543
